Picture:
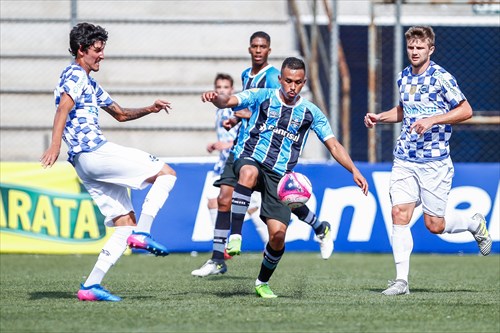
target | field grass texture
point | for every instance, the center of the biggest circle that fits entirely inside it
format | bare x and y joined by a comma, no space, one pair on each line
449,293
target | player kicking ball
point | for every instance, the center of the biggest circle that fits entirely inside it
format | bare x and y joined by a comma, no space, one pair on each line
107,170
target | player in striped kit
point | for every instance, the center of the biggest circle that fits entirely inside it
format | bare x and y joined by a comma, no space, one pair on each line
263,75
270,146
260,75
430,102
107,170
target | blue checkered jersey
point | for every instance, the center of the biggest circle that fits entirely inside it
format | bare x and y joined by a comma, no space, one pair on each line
224,135
267,77
277,132
421,96
82,132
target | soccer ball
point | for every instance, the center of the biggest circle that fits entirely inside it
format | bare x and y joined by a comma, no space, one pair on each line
294,189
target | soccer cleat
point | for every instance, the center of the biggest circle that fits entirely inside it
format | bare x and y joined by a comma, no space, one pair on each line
482,236
264,291
211,267
397,287
226,255
326,241
96,293
144,241
234,245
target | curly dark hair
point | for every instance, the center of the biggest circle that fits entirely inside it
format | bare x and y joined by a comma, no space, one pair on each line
84,35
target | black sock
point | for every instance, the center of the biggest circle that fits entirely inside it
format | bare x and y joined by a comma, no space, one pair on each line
269,263
222,225
239,206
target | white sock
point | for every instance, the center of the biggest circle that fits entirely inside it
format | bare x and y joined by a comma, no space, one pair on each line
213,215
259,282
110,253
156,197
234,236
402,246
459,223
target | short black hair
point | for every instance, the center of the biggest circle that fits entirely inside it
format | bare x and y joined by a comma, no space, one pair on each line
293,63
223,76
260,34
84,35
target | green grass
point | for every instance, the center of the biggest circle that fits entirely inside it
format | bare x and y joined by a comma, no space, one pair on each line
448,294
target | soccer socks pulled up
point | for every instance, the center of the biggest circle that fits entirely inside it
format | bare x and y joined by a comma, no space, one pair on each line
269,263
402,246
155,199
222,225
459,223
306,215
239,206
110,253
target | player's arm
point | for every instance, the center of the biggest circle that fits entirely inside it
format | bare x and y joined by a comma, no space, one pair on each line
219,145
126,114
50,156
220,101
394,115
462,112
340,155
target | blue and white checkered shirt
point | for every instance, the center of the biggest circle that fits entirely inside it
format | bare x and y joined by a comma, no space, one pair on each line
225,136
82,132
421,96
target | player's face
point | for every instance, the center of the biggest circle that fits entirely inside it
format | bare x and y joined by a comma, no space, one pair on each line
90,59
223,87
292,81
419,53
259,50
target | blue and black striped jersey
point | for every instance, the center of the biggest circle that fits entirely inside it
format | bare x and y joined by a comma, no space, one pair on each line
277,132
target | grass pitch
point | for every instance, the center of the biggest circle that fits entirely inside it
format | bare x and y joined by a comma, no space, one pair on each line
449,293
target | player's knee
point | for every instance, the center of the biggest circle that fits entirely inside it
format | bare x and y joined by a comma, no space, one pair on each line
277,239
125,220
224,201
248,175
434,224
167,170
400,216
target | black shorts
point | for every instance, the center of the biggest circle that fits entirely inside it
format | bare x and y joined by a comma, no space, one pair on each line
267,185
227,177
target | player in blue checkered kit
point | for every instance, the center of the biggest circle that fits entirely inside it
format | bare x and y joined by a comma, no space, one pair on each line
107,170
430,102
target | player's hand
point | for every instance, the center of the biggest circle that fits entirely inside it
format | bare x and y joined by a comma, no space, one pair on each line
421,126
50,156
371,119
360,181
230,123
209,96
161,104
211,147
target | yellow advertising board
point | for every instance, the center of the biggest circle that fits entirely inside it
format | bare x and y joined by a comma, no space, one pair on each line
47,211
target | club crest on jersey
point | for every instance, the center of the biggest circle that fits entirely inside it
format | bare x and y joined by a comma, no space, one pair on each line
274,114
423,89
413,90
295,122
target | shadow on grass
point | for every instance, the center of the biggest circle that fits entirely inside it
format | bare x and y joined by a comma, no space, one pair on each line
52,295
430,290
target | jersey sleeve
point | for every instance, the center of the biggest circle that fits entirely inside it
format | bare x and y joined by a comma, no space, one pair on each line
246,99
450,90
74,84
272,79
321,125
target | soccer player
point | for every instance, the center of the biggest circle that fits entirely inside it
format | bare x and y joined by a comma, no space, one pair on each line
260,75
279,118
430,102
106,169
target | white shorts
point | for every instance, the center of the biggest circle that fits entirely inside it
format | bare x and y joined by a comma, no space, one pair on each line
427,183
109,171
